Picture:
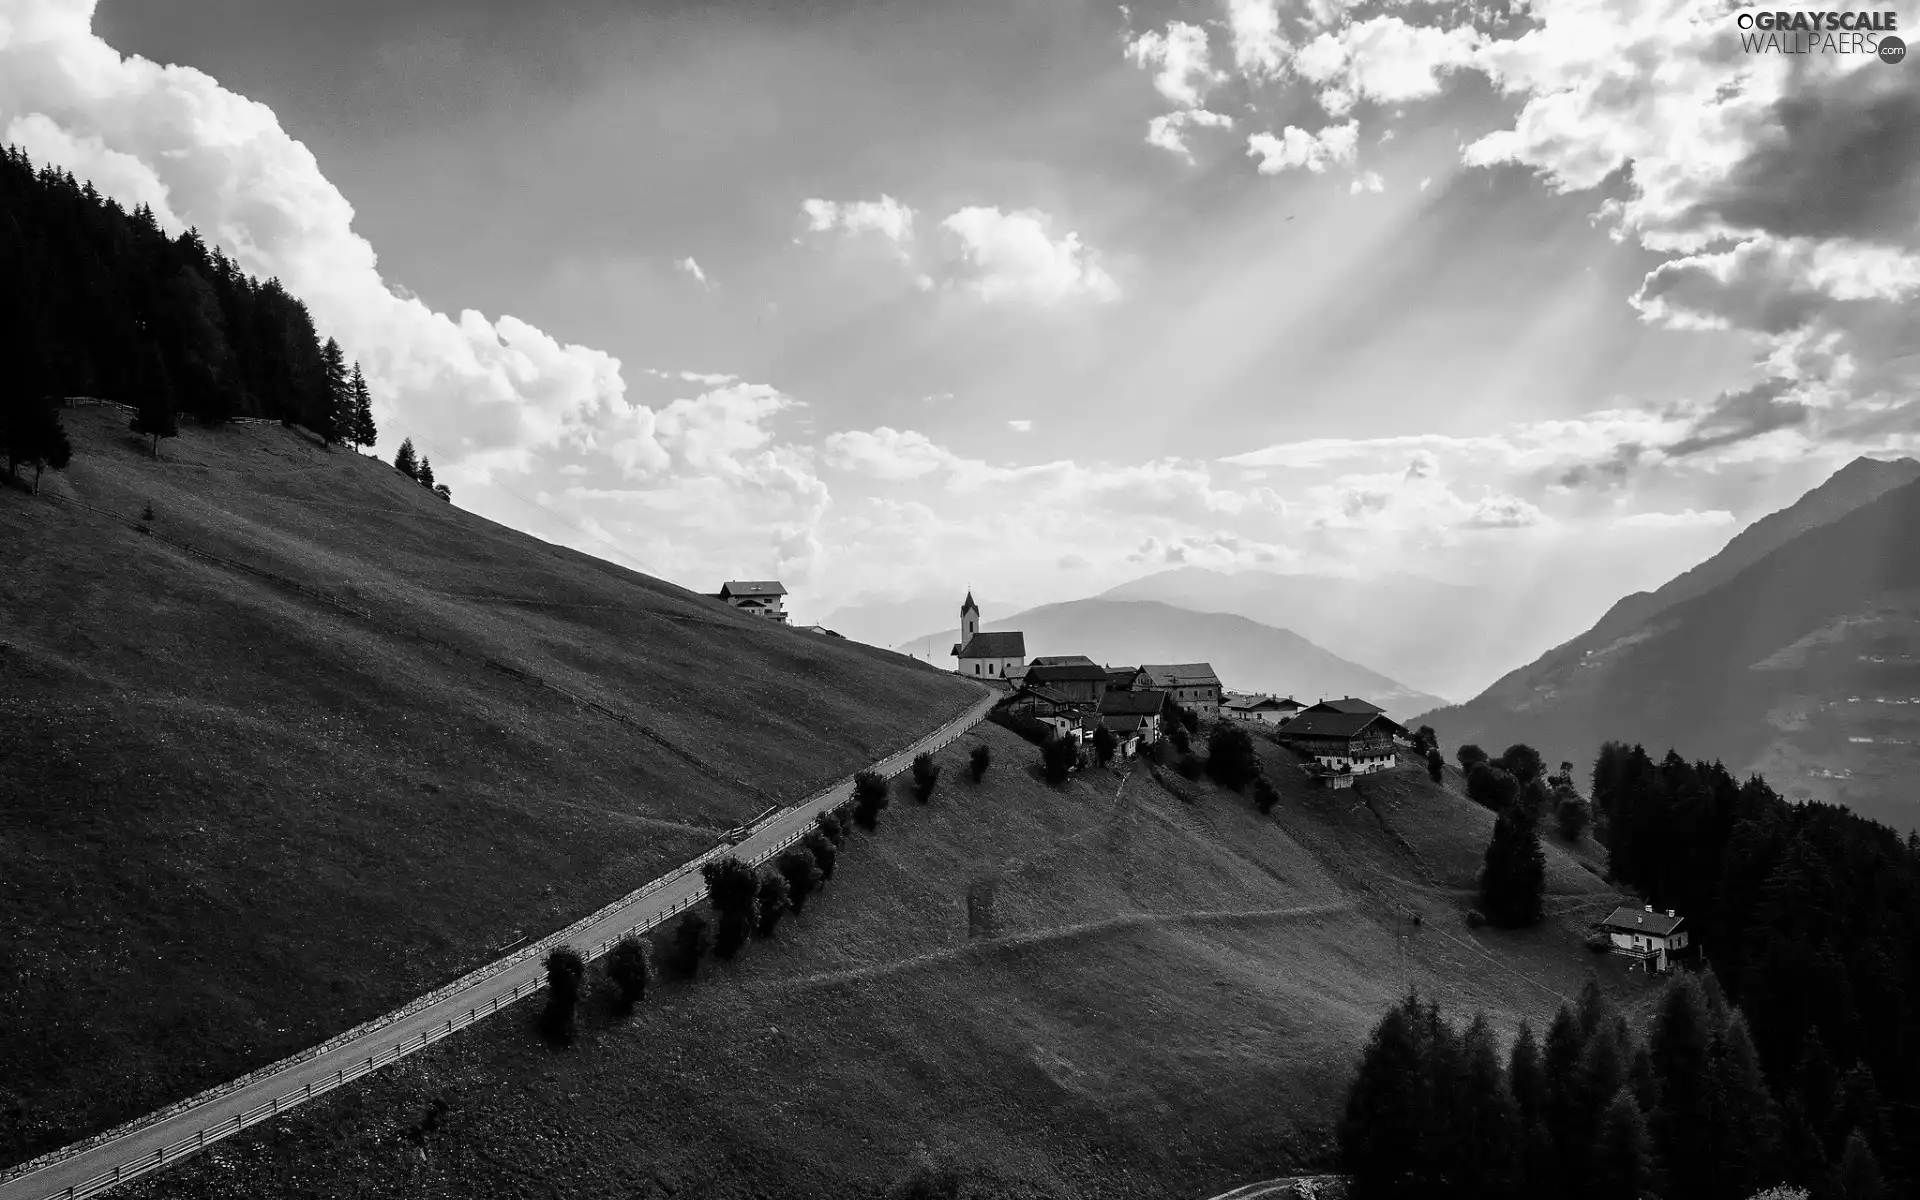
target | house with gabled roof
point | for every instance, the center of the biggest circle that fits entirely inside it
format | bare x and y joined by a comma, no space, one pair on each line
1193,686
1349,743
1131,711
1264,710
987,655
1346,704
1083,680
756,597
1646,937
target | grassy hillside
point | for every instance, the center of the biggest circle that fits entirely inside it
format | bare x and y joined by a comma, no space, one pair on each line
1247,655
1167,1006
251,802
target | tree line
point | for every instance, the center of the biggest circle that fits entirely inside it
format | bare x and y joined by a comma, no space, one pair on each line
1595,1110
99,301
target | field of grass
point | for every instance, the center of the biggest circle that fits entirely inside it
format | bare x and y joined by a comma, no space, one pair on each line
247,806
1167,1004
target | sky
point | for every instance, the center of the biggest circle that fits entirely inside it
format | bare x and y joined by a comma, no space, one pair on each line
890,299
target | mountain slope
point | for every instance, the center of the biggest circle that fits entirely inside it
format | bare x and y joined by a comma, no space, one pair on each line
1247,655
1168,1003
1436,637
259,790
1805,663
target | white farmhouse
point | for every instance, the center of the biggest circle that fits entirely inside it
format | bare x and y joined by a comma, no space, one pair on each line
758,597
1647,937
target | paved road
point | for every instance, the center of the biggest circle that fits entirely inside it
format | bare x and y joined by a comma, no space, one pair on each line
146,1147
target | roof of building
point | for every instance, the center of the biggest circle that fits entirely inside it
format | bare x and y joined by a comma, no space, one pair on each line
1121,676
1042,692
1259,704
1182,674
752,587
968,605
993,645
1127,723
1059,672
1144,703
1062,660
1321,723
820,629
1346,704
1642,920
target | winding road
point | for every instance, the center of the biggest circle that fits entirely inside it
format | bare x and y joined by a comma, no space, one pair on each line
161,1139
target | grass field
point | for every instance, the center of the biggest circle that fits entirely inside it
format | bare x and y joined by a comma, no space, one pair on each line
243,809
1167,1005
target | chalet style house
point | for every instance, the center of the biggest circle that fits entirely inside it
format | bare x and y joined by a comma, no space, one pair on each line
1263,710
758,597
1346,704
1646,937
1193,686
1345,743
1133,713
987,655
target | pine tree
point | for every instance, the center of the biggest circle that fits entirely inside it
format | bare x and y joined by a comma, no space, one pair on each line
1489,1138
1681,1045
1386,1115
426,473
1527,1081
153,414
405,462
335,418
31,433
1858,1176
1623,1152
1747,1132
1515,875
365,434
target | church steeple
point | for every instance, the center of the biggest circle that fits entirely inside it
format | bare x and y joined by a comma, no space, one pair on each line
969,618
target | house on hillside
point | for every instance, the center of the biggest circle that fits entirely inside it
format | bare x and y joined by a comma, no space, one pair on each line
1082,681
822,630
987,655
759,597
1038,700
1192,686
1264,710
1134,712
1350,705
1348,743
1649,938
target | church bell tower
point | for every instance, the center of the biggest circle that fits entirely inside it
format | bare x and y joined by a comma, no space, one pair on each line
969,619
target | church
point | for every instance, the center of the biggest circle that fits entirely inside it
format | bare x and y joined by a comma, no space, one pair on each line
987,655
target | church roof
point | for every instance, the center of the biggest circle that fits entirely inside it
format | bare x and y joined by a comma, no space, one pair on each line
968,605
994,645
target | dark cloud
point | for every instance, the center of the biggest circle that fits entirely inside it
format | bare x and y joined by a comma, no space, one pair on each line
1610,472
1736,416
1843,161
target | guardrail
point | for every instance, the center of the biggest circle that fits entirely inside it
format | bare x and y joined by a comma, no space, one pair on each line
201,1138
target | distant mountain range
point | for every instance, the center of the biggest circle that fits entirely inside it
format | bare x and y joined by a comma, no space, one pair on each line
1247,655
1794,652
1438,637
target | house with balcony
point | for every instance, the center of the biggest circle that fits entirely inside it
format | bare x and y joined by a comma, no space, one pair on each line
756,597
1645,937
1343,743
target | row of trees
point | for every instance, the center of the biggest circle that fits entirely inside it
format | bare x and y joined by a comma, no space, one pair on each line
1594,1111
419,469
99,301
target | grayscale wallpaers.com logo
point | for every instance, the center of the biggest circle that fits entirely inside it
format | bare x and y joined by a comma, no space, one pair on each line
1802,32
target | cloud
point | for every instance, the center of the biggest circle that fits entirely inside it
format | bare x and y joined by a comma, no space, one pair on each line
1736,416
1689,519
1259,49
1167,130
1012,256
1020,426
1503,512
1296,148
1180,53
887,454
1385,60
1367,181
689,267
886,217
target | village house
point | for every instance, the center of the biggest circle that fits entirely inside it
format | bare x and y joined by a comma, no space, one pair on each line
1351,705
759,597
987,655
1039,701
1082,681
1193,686
1135,713
1646,937
1264,710
1347,743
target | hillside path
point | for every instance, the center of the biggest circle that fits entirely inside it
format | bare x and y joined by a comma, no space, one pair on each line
163,1138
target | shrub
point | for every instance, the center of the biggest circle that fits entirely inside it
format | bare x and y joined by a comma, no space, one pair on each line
825,854
1190,767
1264,794
833,827
1058,758
566,970
1475,918
1573,817
1436,764
1177,734
692,938
801,870
1469,756
979,761
1230,756
926,774
1104,744
1599,943
734,889
629,969
1425,739
775,898
1523,762
1189,720
1491,786
870,795
1033,729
